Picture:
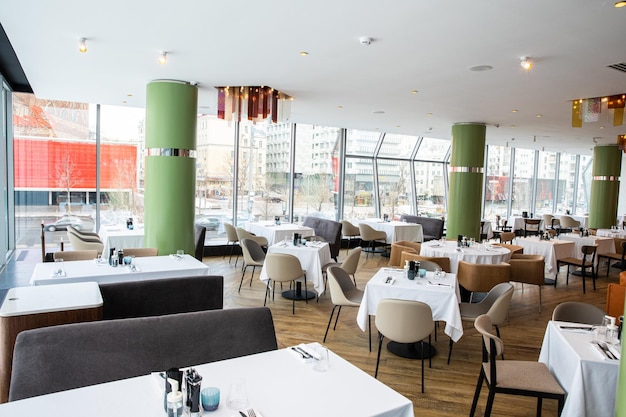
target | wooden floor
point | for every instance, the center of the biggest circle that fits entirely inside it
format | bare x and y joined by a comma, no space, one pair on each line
449,389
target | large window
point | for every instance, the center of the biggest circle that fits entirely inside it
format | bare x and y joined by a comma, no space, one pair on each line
497,182
523,174
544,190
567,181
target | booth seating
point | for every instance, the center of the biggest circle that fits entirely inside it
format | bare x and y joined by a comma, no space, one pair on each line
432,228
328,229
63,357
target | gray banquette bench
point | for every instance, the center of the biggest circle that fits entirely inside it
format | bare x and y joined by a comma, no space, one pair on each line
328,229
68,356
431,228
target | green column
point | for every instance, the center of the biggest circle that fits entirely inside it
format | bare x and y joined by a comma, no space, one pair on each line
170,179
466,180
607,164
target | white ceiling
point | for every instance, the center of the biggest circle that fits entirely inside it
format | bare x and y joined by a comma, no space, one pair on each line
424,45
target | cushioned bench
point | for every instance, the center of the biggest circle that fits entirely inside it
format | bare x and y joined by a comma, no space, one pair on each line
431,228
68,356
328,229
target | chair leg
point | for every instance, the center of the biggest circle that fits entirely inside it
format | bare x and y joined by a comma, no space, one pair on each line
450,351
539,403
252,276
422,344
369,326
498,334
584,276
492,394
329,320
479,386
242,275
267,291
337,318
380,345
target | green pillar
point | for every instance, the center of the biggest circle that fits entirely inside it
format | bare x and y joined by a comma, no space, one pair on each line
620,402
170,179
466,180
607,164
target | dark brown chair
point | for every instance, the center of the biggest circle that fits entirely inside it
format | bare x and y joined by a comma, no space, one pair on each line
531,227
587,262
200,234
618,255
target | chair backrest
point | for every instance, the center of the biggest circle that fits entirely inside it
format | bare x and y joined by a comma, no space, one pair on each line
75,255
529,269
340,284
484,325
500,299
531,225
141,252
78,243
482,277
547,219
620,245
569,222
429,265
441,261
404,321
589,250
200,233
231,232
578,312
83,233
329,230
507,237
397,248
351,263
348,229
369,233
283,267
252,252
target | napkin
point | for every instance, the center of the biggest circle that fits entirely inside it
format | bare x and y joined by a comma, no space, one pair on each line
614,350
310,350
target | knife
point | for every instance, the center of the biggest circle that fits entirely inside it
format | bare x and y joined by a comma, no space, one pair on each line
303,352
576,327
242,414
606,351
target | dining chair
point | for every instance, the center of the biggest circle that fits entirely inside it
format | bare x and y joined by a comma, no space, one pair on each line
442,262
496,305
199,235
526,378
567,224
349,264
141,252
244,234
232,240
578,312
343,294
253,255
482,277
507,237
282,267
79,242
483,233
75,255
587,262
618,255
547,221
528,269
397,248
350,231
369,234
404,321
531,227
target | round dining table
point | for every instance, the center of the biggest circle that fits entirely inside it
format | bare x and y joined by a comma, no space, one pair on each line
477,253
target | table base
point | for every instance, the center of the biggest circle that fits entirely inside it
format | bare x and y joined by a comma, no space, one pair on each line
411,350
298,294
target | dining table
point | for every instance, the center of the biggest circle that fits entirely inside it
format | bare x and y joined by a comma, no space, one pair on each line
604,244
582,368
120,237
552,250
441,293
312,256
396,230
619,233
143,268
267,379
477,253
275,233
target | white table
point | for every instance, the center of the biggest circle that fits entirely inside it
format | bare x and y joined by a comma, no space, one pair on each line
149,267
552,250
477,254
313,256
397,231
604,244
276,233
278,383
588,377
517,223
120,237
611,233
443,299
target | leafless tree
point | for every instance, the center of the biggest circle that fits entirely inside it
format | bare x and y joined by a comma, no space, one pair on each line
67,175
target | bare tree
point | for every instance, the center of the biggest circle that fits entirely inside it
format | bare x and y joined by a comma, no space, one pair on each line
67,175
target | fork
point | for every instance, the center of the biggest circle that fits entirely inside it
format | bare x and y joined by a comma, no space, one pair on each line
251,413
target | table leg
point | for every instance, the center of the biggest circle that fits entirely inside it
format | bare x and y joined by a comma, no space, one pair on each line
298,294
411,350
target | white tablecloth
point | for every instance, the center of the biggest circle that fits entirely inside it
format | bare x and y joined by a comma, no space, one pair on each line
119,237
276,233
397,230
278,383
442,299
149,267
477,254
604,244
611,233
312,257
588,377
517,223
552,250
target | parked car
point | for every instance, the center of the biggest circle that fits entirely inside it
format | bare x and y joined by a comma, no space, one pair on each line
211,223
63,222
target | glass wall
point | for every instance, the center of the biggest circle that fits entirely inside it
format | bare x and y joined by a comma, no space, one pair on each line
431,186
523,175
497,183
5,243
545,183
567,182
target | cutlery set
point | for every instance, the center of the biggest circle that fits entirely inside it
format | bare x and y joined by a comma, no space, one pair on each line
604,348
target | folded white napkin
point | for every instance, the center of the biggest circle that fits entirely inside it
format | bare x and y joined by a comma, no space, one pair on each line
309,349
614,350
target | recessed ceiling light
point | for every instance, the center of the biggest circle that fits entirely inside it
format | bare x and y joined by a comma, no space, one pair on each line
340,107
129,95
514,111
82,45
619,4
539,115
429,114
479,68
413,91
513,126
379,112
304,53
526,63
601,127
163,58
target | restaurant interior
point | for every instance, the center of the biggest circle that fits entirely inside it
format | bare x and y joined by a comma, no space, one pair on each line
452,173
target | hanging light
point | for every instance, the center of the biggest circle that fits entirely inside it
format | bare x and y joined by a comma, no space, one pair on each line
254,103
82,45
163,58
526,63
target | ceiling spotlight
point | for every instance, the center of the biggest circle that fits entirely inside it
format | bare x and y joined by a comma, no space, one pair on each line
82,45
619,4
526,63
163,58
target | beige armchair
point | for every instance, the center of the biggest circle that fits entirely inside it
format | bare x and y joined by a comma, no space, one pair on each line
244,234
79,242
350,231
369,234
528,269
442,261
231,240
253,256
482,277
402,246
342,294
282,267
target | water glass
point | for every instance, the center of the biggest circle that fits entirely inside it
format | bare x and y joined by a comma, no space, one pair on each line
180,252
237,395
322,363
422,272
210,398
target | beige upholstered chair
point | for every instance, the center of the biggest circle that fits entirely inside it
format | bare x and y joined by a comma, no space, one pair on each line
495,305
569,223
442,261
231,240
402,246
547,221
350,231
83,233
588,261
368,234
82,242
531,379
253,256
578,312
403,321
618,255
282,267
350,264
244,234
141,252
75,255
342,294
507,237
482,277
528,269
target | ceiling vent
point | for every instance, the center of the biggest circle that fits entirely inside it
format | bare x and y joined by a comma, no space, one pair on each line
620,66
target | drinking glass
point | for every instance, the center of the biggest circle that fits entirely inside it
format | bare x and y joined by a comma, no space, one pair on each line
237,395
322,363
